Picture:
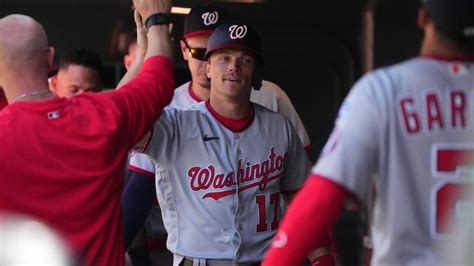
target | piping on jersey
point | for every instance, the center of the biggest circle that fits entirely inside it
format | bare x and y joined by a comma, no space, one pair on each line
202,178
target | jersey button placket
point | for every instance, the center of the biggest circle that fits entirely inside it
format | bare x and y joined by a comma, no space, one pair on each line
238,226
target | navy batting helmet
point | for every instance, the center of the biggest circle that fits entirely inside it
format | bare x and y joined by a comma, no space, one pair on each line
204,20
453,18
240,36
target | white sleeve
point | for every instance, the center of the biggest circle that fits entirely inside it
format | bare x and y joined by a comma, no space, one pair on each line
297,164
350,155
286,108
141,163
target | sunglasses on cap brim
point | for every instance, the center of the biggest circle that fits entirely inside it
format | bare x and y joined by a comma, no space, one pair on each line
196,53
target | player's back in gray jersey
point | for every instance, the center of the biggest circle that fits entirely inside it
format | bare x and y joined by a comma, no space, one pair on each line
414,127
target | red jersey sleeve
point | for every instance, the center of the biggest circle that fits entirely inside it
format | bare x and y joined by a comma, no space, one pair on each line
304,227
140,101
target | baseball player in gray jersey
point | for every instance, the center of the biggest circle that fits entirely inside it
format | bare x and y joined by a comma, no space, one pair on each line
224,164
409,126
199,25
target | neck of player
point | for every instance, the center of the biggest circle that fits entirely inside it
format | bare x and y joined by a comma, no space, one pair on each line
434,44
28,89
201,91
231,108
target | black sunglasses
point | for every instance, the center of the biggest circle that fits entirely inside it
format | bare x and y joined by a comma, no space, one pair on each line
196,53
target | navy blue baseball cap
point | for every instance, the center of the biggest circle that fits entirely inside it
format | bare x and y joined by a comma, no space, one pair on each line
203,20
453,18
233,35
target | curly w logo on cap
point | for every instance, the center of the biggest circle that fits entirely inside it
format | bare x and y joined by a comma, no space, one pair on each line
210,18
237,31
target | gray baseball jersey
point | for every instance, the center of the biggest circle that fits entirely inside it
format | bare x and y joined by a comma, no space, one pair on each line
410,127
219,190
270,95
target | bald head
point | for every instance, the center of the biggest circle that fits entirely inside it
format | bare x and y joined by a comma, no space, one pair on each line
24,56
23,43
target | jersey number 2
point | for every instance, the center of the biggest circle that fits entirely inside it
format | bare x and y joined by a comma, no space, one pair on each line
261,201
451,162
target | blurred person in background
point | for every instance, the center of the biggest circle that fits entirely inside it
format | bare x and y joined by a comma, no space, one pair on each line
79,71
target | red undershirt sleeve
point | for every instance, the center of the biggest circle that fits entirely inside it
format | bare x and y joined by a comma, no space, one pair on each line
305,225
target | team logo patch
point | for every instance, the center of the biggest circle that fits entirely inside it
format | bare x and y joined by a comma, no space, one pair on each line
458,69
53,115
237,31
210,18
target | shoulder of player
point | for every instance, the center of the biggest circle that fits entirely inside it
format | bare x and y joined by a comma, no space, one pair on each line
384,80
402,70
197,110
268,114
191,110
270,88
377,89
180,97
182,88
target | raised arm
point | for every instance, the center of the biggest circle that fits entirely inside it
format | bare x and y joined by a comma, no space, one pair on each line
142,44
142,99
160,43
159,40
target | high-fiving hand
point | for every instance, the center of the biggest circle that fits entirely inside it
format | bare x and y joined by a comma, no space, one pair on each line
147,8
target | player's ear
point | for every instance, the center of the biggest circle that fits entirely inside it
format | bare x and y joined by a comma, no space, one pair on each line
127,61
53,84
423,18
184,51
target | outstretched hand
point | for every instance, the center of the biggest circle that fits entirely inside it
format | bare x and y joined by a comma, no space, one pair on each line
147,8
155,41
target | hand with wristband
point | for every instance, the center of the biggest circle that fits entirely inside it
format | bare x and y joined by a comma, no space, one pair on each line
151,42
155,12
146,8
